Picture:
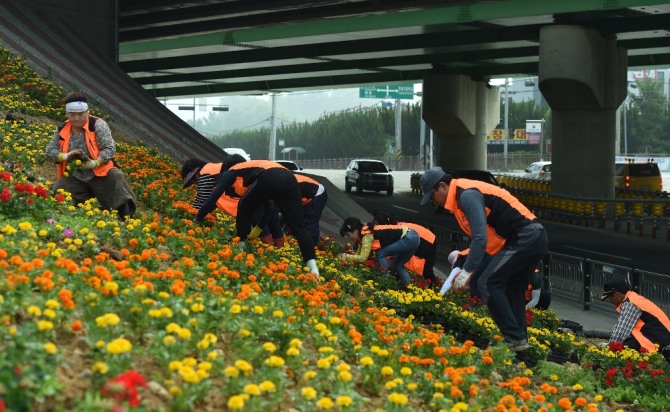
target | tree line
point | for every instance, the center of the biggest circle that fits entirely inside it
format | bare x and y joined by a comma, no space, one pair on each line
370,132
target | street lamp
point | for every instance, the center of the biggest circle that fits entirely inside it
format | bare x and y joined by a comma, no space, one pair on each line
626,104
222,108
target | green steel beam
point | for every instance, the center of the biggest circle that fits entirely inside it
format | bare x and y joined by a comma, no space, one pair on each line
425,17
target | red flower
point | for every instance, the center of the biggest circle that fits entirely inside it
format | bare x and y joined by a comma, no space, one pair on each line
5,176
124,387
529,316
60,198
5,196
616,347
2,405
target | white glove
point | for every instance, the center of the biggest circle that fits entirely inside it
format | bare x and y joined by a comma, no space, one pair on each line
88,163
603,344
450,280
462,280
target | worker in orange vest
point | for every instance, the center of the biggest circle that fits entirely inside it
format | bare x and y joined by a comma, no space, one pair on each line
260,183
641,324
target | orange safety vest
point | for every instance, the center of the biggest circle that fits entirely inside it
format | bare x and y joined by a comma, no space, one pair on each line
91,144
308,186
226,203
246,174
509,214
415,264
652,327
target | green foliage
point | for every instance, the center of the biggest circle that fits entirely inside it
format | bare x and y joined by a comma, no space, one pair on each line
647,132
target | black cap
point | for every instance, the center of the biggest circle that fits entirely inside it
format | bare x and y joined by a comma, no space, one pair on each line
621,286
188,171
350,224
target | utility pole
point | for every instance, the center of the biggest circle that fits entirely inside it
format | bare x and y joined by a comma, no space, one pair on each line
506,126
398,131
273,128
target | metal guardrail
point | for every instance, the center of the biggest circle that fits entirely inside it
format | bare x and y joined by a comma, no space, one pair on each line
576,279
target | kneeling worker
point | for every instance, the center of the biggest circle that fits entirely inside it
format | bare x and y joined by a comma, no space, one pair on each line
641,324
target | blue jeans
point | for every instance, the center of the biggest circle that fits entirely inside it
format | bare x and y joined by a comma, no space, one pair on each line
402,250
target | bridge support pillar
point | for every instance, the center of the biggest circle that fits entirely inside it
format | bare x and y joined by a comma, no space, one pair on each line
583,78
461,112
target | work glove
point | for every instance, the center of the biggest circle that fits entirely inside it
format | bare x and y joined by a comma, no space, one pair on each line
255,232
70,156
462,280
88,163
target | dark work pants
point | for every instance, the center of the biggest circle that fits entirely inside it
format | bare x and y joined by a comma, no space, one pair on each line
504,282
312,213
280,186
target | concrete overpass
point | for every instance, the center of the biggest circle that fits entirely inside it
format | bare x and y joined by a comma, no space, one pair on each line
580,49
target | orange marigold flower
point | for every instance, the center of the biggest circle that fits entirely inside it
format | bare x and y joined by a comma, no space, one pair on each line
564,403
77,326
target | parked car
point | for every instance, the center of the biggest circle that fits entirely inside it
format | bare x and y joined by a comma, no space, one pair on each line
237,150
638,176
539,170
290,165
368,174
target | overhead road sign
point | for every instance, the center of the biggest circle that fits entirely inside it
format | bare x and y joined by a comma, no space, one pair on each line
398,91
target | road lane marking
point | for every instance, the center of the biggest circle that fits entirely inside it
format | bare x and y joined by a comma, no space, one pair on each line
598,253
404,208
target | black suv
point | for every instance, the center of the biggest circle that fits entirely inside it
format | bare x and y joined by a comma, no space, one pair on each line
368,174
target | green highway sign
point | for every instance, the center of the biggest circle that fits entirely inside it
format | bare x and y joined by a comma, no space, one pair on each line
398,91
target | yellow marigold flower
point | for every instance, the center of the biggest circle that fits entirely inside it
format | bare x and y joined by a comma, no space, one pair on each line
12,330
323,363
190,361
268,386
412,386
398,398
269,347
231,372
405,371
252,389
100,367
366,361
308,393
326,349
34,310
50,348
235,309
274,362
292,352
343,400
278,314
325,403
44,325
52,304
197,307
108,319
49,313
184,334
375,349
244,333
258,310
172,328
295,343
118,346
236,402
598,398
166,312
111,286
244,366
205,366
25,226
101,224
309,375
141,288
99,344
212,355
343,367
169,340
390,385
175,390
554,378
383,353
344,376
460,407
163,295
189,375
387,371
335,320
43,233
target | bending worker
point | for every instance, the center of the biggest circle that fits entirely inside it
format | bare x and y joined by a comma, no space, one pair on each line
258,182
501,226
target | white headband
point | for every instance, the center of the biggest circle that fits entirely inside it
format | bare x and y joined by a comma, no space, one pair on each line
76,107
